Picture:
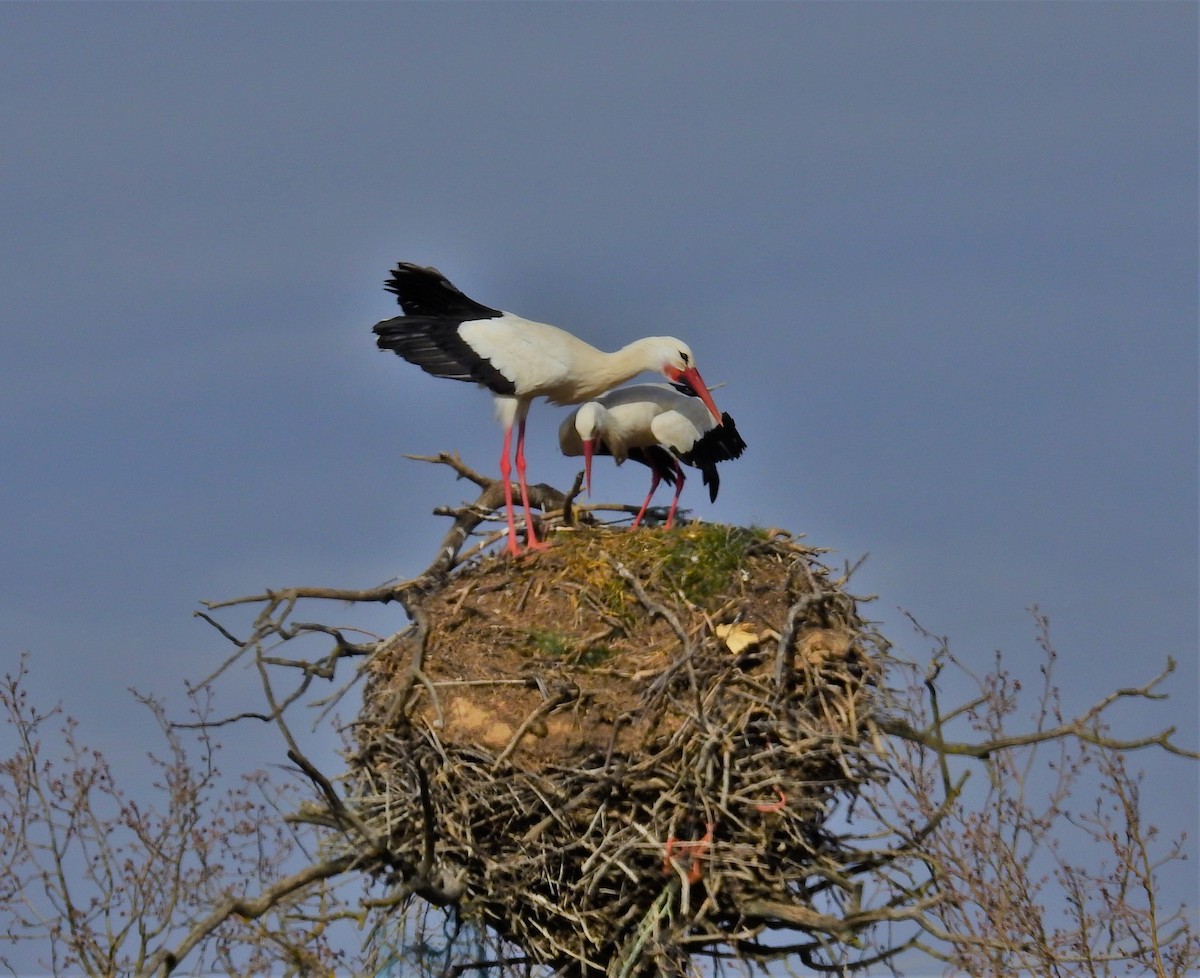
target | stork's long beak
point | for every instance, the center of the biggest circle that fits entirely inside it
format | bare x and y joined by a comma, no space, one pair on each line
588,444
691,377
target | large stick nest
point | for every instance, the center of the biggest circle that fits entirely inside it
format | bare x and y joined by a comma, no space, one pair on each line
628,747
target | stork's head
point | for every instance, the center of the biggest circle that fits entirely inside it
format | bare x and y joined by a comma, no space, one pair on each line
679,367
589,424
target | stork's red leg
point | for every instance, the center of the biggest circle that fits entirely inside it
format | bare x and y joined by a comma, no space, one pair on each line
506,474
655,478
678,490
531,536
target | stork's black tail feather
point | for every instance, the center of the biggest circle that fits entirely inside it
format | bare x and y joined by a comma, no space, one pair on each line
427,292
708,472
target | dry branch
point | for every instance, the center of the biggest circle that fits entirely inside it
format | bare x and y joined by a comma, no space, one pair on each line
565,747
589,804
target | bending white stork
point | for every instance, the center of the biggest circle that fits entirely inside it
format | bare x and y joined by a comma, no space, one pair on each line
449,335
656,425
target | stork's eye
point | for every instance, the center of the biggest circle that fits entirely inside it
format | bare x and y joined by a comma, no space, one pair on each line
684,357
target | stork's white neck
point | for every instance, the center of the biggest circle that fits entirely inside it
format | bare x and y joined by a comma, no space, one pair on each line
629,361
604,371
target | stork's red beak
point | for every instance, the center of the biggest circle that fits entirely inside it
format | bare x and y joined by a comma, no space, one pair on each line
588,444
691,377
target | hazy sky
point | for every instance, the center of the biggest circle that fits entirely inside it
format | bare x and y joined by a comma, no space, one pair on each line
944,256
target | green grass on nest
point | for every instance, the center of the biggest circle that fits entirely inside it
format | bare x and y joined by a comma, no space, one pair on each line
699,561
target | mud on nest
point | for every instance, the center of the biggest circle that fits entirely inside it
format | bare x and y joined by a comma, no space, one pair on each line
628,734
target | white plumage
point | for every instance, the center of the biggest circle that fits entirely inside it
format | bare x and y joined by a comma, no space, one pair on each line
657,425
450,335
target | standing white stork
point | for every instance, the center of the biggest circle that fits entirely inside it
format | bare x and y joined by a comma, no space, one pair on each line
448,334
656,425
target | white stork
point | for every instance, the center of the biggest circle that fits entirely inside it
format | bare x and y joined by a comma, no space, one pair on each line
656,425
449,335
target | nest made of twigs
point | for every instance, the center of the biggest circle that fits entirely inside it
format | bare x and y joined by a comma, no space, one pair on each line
625,745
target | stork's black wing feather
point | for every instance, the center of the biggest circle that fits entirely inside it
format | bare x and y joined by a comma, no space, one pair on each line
434,344
719,444
427,292
657,459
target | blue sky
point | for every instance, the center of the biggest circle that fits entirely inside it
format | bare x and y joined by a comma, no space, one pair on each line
944,257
